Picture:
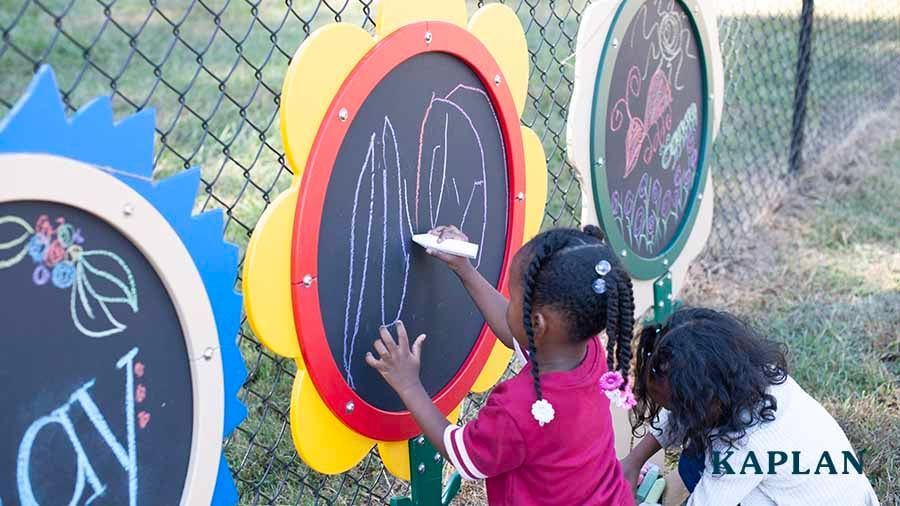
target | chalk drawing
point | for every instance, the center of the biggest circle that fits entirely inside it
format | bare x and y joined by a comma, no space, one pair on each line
350,338
60,259
85,474
678,139
475,186
655,124
23,238
669,37
645,216
438,165
401,205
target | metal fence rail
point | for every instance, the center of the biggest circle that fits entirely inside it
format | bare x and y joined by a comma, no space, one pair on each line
212,69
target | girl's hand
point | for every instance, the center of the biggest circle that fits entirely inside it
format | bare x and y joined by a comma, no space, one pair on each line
456,263
398,363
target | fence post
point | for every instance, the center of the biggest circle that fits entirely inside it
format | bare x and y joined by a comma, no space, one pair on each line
801,86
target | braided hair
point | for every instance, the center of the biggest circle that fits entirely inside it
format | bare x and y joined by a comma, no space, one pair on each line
560,275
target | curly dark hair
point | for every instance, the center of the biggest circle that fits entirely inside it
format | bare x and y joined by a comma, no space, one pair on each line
717,369
560,274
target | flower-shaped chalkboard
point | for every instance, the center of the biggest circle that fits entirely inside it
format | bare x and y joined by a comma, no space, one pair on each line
389,136
118,315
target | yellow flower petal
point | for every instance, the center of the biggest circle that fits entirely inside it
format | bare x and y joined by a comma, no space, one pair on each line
454,415
323,442
317,71
535,183
395,455
494,368
501,32
267,277
393,14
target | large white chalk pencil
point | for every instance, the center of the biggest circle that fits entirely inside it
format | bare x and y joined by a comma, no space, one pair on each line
451,246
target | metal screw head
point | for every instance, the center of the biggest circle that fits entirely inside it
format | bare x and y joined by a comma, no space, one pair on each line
343,114
669,276
520,196
665,261
428,37
437,457
659,283
671,296
699,196
307,280
615,43
421,468
349,407
497,79
600,161
128,209
208,353
420,440
662,304
624,253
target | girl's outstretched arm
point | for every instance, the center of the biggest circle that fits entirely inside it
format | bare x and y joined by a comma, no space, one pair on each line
489,301
635,460
399,366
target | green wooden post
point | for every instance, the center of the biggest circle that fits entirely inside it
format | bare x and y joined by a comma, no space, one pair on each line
663,299
426,477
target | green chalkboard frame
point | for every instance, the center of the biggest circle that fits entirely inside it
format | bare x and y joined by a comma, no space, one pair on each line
646,267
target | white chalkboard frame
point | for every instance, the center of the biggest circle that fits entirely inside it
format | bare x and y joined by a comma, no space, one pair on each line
91,189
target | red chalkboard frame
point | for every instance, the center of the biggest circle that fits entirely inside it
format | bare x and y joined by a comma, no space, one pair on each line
395,48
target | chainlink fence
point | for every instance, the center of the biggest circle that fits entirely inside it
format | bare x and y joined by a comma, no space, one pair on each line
212,69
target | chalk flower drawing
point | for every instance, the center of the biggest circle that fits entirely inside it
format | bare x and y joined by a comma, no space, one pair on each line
57,251
646,214
324,441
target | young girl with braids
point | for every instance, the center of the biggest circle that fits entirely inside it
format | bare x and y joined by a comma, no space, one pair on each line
750,434
544,436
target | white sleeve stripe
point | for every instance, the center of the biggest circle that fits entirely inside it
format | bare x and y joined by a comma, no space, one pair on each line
520,355
451,452
458,437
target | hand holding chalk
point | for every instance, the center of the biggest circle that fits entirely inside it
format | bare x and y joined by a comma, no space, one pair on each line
449,244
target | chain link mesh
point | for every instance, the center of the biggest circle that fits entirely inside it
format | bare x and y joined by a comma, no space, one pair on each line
212,69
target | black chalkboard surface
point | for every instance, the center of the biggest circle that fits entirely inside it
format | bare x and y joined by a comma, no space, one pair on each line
96,385
655,110
425,149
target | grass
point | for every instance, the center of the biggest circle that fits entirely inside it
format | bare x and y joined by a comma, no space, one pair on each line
213,70
824,278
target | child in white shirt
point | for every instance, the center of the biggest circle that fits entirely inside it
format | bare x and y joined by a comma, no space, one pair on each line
750,434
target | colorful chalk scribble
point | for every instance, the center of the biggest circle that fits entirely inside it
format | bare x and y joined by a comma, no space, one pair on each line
383,159
650,192
57,251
